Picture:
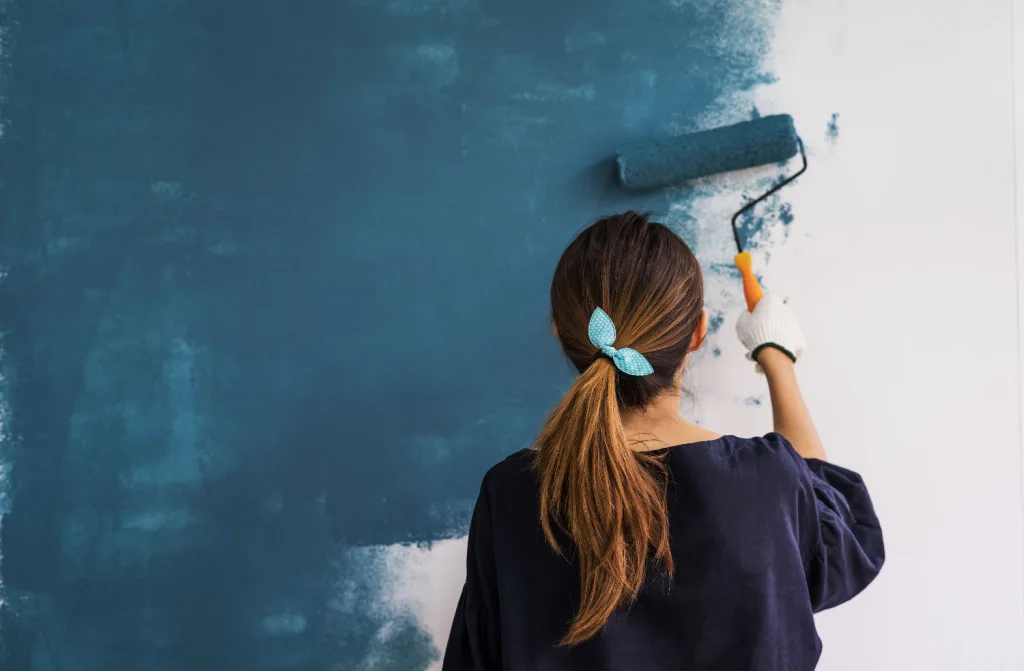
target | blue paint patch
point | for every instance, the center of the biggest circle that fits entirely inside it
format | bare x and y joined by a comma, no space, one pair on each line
584,41
233,357
715,321
832,129
755,226
753,400
786,214
381,637
716,352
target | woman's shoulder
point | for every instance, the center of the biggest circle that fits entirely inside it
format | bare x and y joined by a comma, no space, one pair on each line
769,446
757,457
741,457
515,468
509,488
513,463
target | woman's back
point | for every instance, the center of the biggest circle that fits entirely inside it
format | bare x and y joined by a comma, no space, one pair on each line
591,552
754,529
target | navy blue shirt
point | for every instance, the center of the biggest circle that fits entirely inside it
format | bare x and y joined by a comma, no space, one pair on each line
761,538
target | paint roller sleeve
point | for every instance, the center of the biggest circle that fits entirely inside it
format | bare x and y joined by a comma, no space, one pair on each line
649,165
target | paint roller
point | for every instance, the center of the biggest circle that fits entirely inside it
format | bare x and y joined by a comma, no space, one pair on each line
770,139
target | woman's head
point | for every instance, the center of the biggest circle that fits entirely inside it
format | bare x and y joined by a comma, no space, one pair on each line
649,282
609,499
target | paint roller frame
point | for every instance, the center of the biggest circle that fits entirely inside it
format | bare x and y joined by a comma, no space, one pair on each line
752,291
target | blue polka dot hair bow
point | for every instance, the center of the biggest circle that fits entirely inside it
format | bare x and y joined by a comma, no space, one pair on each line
602,336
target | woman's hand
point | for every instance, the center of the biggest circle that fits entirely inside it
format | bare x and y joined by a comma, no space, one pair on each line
773,338
772,324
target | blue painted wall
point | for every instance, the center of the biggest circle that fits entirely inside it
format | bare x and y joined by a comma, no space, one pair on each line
275,287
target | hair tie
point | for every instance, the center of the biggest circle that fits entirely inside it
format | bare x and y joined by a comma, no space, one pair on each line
602,336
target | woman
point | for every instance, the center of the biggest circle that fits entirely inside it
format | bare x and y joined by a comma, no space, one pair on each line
629,538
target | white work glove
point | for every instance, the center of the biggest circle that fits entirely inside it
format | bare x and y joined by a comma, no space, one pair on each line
771,324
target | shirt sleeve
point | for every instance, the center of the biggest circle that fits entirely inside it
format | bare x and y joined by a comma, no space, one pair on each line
840,536
474,643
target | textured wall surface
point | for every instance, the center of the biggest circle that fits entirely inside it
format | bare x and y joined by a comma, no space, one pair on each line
273,285
275,295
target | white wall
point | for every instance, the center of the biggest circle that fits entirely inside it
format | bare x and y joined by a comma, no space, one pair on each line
907,282
901,263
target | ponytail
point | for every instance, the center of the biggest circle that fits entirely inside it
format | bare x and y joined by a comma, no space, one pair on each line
597,493
608,498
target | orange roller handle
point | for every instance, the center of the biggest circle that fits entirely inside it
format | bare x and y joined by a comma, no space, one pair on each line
751,288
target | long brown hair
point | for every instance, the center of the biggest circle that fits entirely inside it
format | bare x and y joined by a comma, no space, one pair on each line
608,498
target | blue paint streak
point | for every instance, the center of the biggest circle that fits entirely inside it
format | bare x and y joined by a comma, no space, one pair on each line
265,263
